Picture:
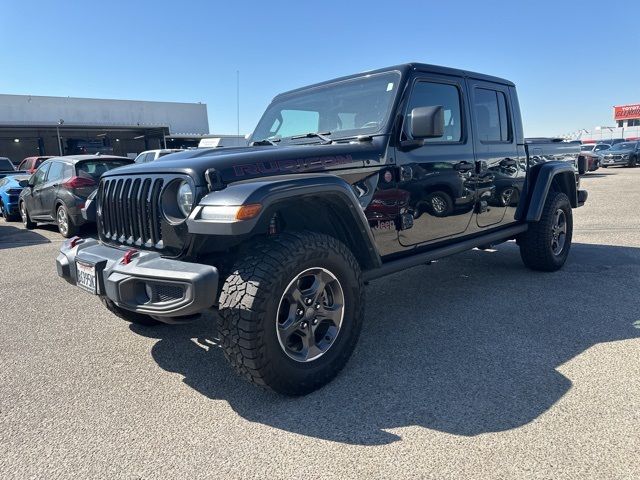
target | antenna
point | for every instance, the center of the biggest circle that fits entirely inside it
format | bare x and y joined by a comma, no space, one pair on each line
238,104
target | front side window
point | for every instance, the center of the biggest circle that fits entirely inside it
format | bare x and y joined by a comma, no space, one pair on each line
342,109
430,94
41,173
491,113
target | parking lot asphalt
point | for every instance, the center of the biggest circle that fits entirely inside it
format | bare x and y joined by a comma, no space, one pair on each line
472,367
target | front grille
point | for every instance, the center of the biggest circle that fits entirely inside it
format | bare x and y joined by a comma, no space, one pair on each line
129,211
166,293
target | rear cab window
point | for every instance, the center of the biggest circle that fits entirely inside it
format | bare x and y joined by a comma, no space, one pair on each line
94,168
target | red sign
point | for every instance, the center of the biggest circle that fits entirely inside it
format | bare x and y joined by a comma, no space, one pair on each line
626,112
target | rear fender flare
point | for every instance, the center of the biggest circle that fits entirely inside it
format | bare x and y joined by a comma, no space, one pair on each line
540,178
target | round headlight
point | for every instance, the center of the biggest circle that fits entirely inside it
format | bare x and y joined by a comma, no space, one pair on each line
185,198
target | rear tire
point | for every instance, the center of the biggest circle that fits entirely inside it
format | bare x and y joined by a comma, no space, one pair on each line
271,300
66,227
129,316
26,221
546,244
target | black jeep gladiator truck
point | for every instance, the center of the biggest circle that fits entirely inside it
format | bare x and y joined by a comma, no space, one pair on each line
343,182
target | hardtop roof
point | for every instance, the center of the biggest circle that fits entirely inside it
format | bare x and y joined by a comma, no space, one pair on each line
406,68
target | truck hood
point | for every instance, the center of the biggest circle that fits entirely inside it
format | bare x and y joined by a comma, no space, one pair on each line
611,153
242,163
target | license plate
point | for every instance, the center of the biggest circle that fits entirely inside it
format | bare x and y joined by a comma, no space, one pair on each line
86,277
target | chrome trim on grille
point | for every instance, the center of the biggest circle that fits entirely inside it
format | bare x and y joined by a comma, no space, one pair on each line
129,210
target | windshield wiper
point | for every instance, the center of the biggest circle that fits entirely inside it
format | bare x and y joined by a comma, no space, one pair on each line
322,136
265,141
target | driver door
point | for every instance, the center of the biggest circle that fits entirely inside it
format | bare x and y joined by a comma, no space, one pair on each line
33,201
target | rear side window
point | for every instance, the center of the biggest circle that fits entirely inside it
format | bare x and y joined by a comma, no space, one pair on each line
94,168
492,116
429,94
56,171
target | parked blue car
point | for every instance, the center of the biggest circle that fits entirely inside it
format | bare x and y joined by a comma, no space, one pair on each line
9,193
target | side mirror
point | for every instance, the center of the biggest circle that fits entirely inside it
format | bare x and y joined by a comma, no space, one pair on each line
427,122
23,183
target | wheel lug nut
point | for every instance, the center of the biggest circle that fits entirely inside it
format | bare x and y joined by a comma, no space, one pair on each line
308,301
317,306
303,325
315,321
300,312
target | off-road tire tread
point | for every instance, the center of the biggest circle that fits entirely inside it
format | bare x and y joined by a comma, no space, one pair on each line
246,293
535,249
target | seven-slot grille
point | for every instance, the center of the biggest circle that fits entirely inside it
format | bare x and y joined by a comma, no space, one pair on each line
129,211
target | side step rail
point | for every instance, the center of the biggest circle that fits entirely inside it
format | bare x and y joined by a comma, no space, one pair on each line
394,266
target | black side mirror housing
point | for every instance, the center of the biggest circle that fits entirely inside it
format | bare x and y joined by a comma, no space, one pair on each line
23,183
427,122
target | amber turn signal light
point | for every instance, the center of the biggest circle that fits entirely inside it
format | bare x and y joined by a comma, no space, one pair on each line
247,212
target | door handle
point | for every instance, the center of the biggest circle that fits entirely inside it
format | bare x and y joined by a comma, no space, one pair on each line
464,166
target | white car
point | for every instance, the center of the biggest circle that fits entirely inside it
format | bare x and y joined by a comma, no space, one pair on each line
151,155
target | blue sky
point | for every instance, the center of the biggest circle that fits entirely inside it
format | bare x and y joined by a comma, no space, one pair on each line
571,60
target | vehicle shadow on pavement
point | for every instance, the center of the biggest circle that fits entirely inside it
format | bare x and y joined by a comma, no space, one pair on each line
14,237
466,346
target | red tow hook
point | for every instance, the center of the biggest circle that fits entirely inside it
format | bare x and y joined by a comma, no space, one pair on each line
73,241
128,256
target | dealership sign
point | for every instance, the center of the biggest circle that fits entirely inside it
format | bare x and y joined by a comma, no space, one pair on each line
626,112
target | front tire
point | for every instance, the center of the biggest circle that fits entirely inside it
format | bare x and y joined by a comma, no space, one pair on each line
129,316
545,245
26,220
291,312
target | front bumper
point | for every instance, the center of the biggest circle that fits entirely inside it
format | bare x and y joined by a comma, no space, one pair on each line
149,284
610,162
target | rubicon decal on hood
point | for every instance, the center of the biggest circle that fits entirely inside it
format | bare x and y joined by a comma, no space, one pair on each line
275,166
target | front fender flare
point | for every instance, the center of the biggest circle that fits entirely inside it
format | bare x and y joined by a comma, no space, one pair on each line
269,192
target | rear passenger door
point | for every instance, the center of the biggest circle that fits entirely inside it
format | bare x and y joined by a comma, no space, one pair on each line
48,191
438,175
499,169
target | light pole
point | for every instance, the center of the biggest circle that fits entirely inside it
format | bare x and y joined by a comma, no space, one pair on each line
60,122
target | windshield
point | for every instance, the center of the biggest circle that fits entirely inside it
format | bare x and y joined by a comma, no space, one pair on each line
5,164
602,146
351,107
586,148
623,146
94,168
